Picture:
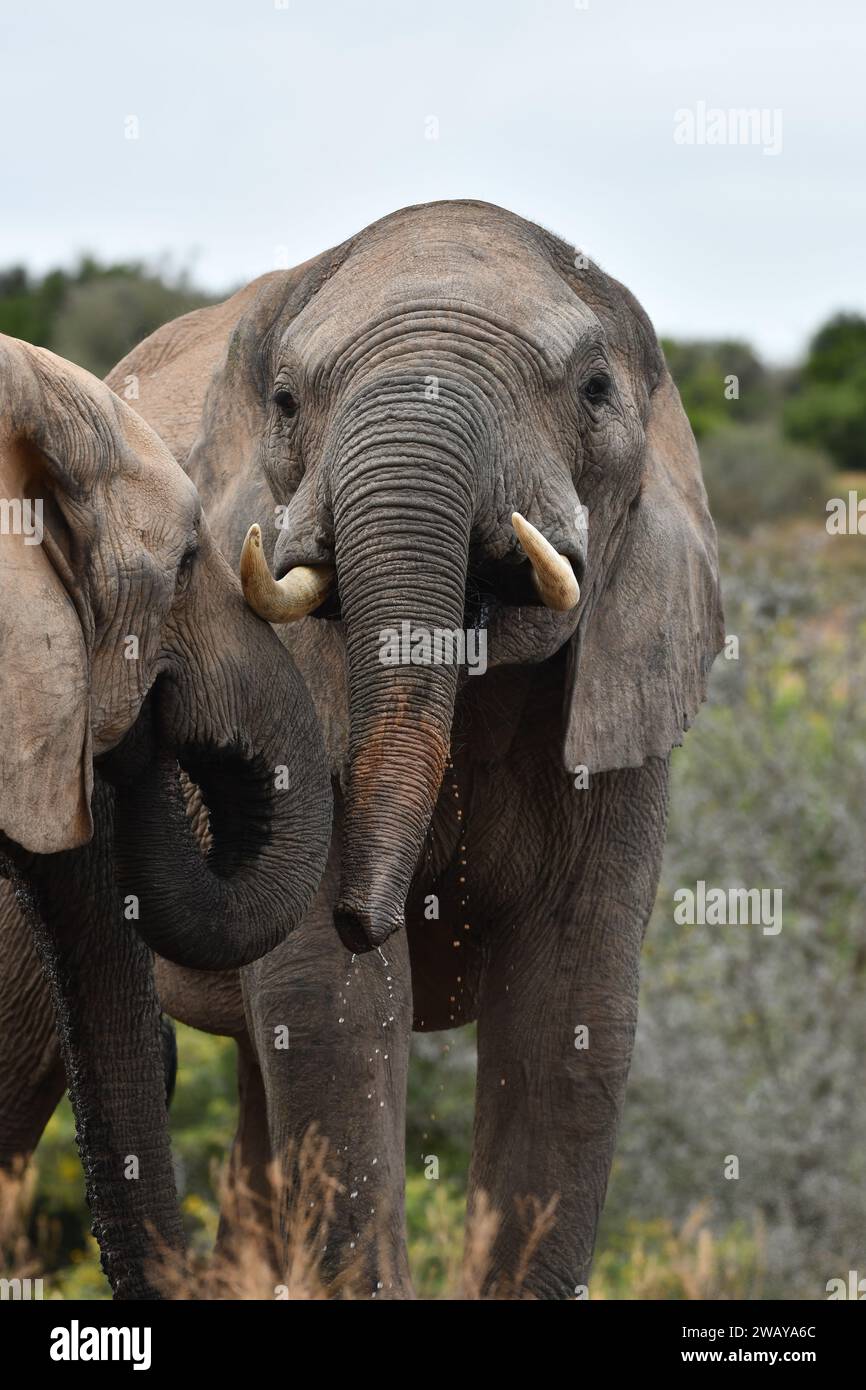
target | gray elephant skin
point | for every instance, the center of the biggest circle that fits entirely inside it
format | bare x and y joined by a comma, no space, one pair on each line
381,412
127,649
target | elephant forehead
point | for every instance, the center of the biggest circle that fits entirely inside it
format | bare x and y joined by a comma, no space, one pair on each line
149,498
123,450
446,284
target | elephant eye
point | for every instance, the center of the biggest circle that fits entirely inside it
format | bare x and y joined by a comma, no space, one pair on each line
597,388
184,569
285,402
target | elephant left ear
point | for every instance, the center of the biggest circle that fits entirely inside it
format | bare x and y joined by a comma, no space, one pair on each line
46,773
641,656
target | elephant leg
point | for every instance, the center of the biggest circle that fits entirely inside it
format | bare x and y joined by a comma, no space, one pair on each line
332,1035
246,1208
108,1019
556,1026
168,1043
32,1077
212,1001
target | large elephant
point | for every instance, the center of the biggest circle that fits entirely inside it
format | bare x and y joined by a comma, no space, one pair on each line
126,650
454,422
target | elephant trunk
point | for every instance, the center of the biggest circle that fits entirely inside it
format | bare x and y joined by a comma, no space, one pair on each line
108,1024
402,525
242,725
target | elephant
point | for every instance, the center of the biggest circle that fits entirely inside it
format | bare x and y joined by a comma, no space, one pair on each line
127,652
455,426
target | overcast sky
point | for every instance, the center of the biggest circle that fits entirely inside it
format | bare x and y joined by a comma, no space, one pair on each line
271,129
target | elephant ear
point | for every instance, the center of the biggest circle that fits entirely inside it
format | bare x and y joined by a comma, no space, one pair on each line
202,382
46,775
640,659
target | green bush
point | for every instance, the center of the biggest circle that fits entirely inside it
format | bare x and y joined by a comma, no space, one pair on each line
753,475
749,1044
828,405
700,370
93,314
102,319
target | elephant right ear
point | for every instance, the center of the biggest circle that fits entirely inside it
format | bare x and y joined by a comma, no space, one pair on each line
640,659
46,775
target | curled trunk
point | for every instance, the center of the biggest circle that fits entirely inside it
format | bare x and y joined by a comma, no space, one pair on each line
243,727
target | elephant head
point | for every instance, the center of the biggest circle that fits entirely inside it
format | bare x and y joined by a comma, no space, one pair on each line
467,424
127,646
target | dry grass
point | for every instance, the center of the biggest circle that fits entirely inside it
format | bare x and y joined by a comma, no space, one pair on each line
271,1247
692,1263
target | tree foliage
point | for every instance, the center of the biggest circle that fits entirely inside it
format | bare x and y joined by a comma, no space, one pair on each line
721,383
828,405
92,314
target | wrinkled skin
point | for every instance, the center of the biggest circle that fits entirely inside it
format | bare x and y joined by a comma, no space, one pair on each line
401,396
126,647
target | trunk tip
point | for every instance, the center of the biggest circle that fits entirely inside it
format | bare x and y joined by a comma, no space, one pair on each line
363,929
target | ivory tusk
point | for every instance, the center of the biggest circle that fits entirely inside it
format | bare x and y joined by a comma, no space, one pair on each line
552,574
284,600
